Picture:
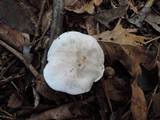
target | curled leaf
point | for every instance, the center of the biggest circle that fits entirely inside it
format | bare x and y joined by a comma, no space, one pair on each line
138,102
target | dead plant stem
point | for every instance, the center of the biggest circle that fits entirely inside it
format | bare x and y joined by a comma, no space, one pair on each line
21,58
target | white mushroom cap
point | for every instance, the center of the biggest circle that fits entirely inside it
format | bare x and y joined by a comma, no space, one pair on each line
75,62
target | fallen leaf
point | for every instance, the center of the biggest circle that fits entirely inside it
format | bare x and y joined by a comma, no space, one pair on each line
138,102
117,89
156,105
154,21
149,79
97,2
138,19
91,26
12,37
132,7
68,111
46,21
121,36
105,17
17,15
43,89
158,64
36,3
15,101
130,56
81,6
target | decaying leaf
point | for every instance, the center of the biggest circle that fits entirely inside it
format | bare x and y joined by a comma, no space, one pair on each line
154,21
68,111
156,98
132,7
17,15
158,64
81,6
12,37
105,17
156,105
117,89
91,26
46,21
36,3
138,102
121,36
130,56
15,101
149,79
48,93
138,19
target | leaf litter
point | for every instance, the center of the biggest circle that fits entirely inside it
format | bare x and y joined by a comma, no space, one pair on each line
128,33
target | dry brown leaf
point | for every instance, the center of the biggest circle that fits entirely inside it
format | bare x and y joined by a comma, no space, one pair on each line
132,7
156,105
12,37
68,111
138,19
130,56
46,21
97,2
138,102
36,3
158,64
15,101
18,15
81,6
105,17
117,89
121,36
154,21
43,89
91,26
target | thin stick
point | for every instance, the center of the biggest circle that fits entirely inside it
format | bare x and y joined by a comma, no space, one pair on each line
107,96
20,57
154,92
39,19
56,27
154,39
10,64
10,78
6,117
149,3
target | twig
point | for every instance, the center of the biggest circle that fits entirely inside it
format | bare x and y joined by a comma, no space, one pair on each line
154,39
10,78
107,96
5,112
56,27
6,117
39,19
20,57
125,115
67,111
10,64
154,92
149,3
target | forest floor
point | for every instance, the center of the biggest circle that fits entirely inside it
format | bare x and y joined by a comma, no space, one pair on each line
128,31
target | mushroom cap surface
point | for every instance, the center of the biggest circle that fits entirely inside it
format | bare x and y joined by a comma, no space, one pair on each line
75,62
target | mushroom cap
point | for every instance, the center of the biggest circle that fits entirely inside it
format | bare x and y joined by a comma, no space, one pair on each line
75,62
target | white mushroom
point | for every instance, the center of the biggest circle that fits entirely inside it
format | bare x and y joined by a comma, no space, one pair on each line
75,62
